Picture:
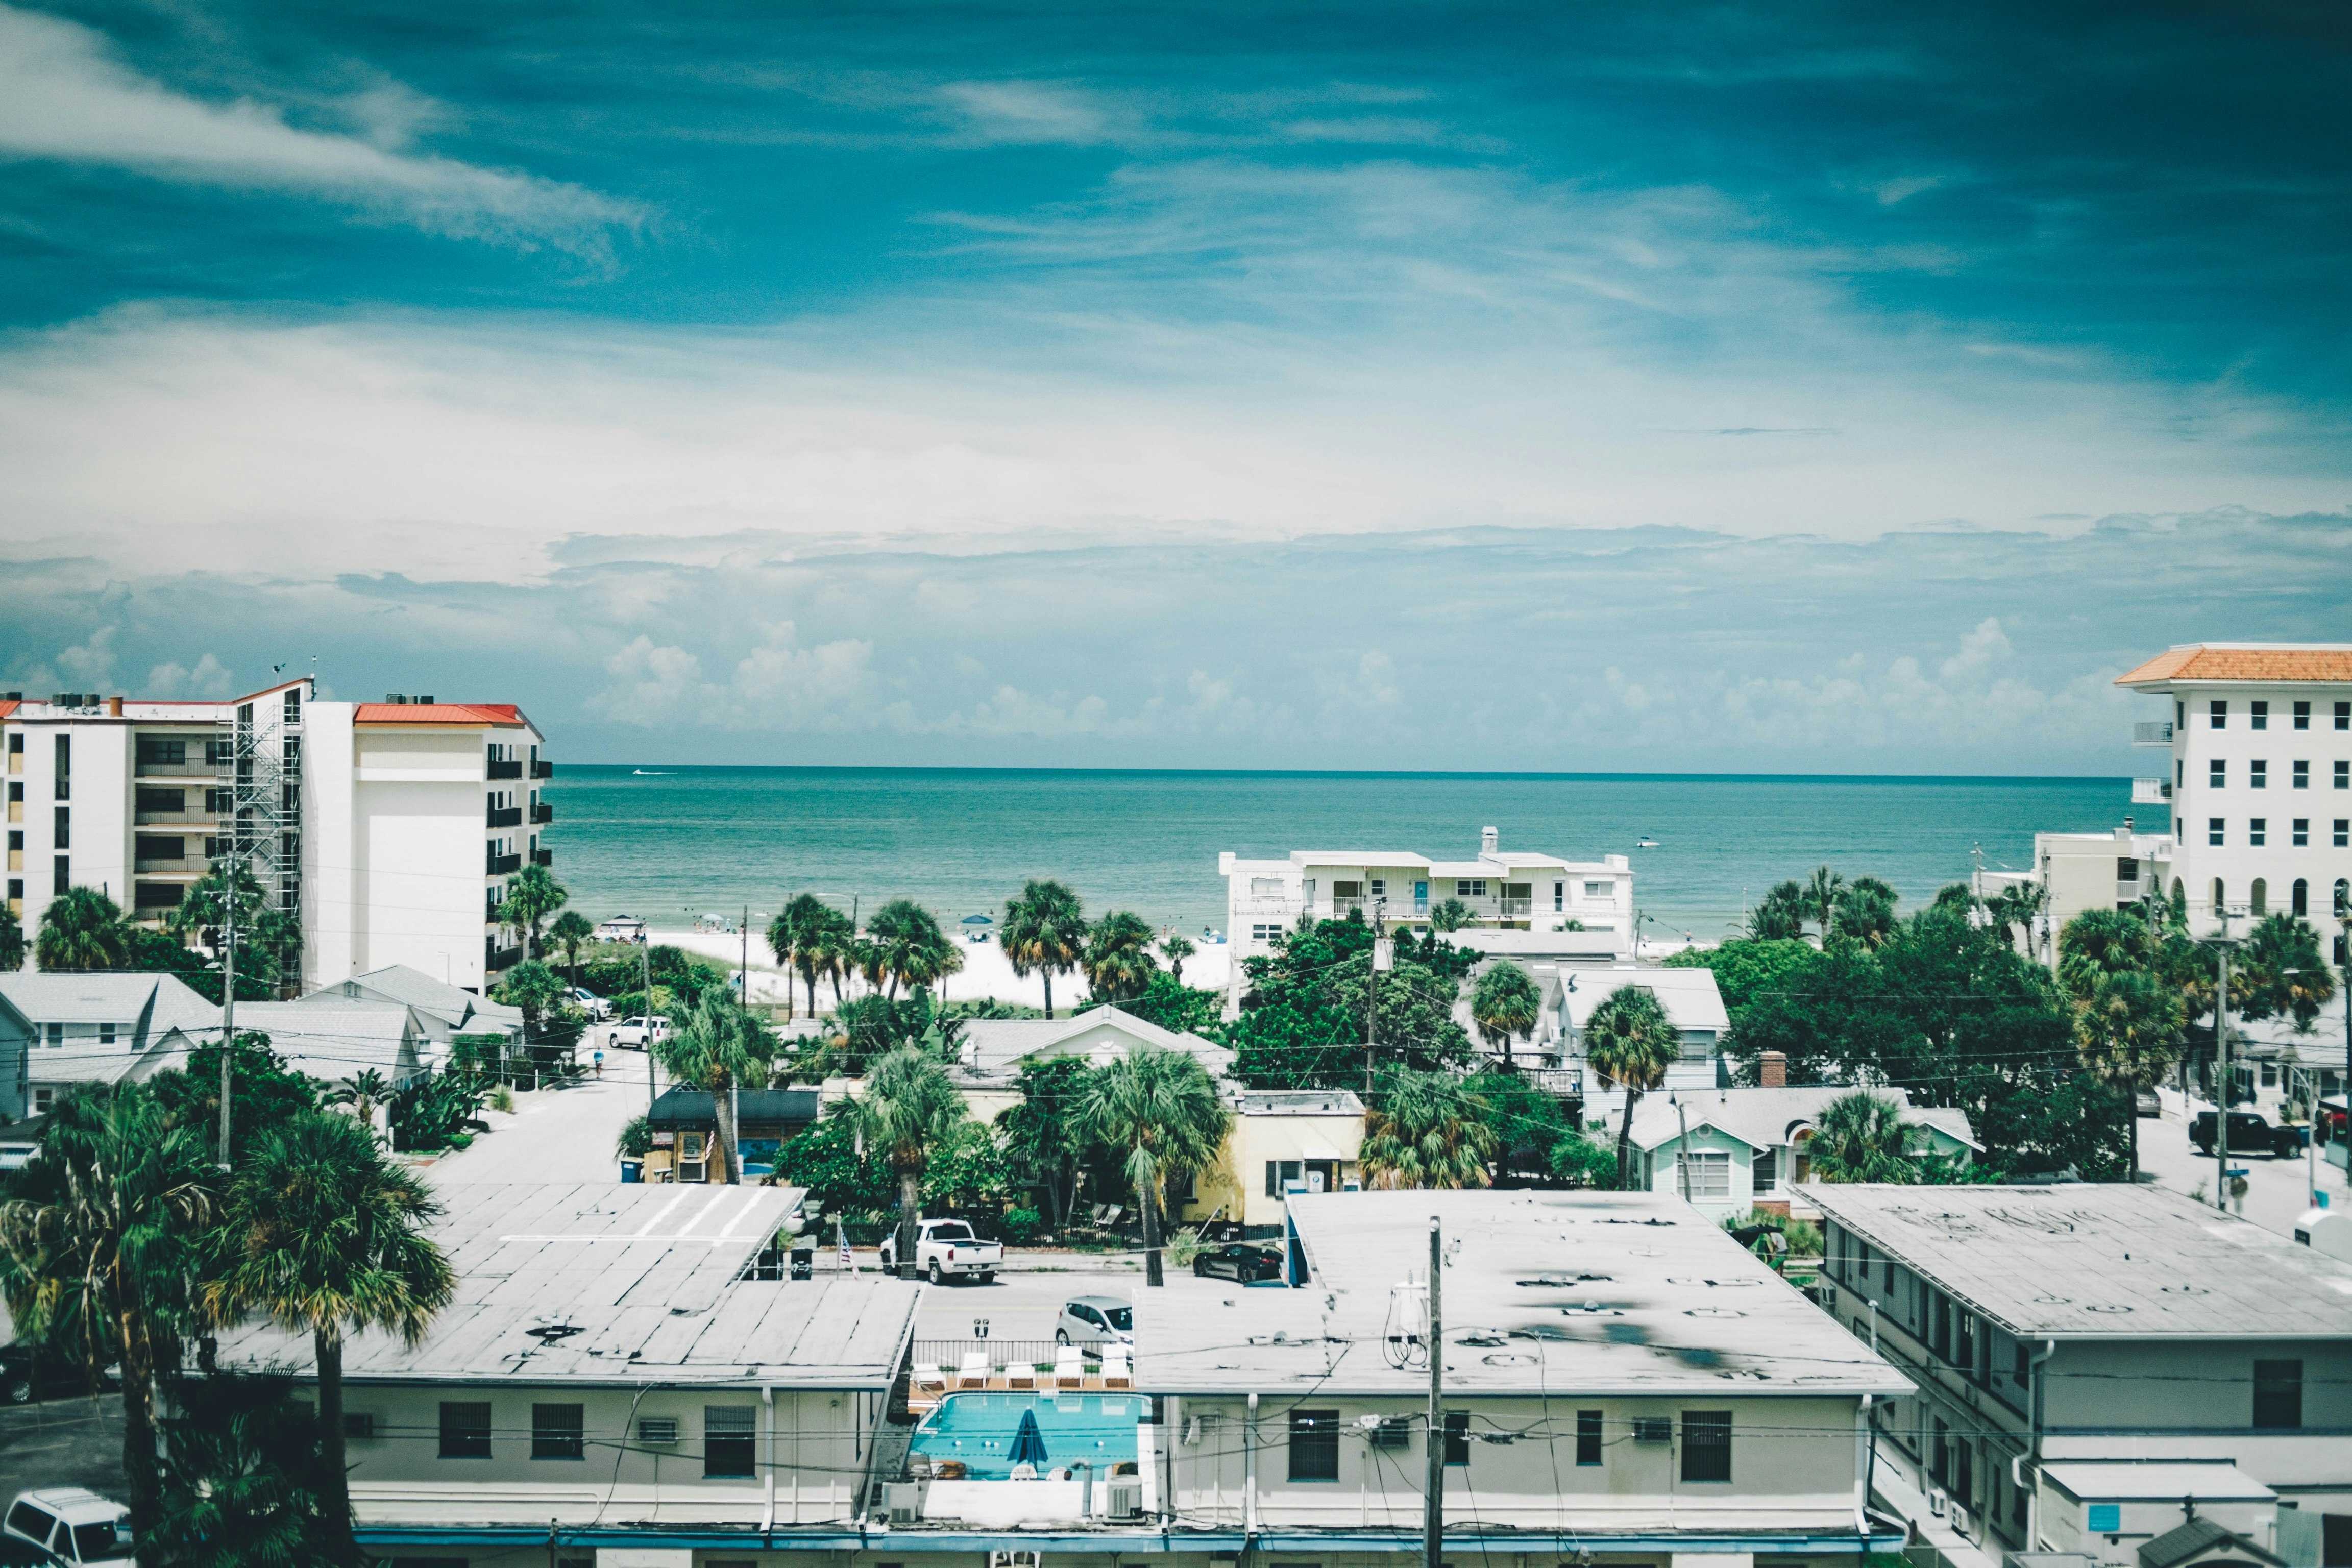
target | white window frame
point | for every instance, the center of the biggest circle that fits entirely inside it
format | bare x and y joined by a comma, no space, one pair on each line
1704,1165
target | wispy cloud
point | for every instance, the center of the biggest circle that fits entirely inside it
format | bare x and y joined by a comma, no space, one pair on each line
64,96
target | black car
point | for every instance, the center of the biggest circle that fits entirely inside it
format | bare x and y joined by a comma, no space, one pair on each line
1238,1261
2249,1134
28,1373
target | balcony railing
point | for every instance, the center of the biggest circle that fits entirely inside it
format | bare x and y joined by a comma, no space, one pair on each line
2151,792
196,769
542,769
1565,1082
500,864
506,816
2158,733
507,770
542,856
168,863
542,814
495,957
176,819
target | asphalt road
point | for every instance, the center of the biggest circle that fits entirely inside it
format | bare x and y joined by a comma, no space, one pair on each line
2277,1190
558,1135
63,1443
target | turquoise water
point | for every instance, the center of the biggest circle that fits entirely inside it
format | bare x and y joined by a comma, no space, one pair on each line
669,847
977,1428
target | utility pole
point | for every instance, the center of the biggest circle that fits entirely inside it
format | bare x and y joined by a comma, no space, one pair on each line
2221,1066
1384,957
1682,1149
645,961
228,996
1432,1504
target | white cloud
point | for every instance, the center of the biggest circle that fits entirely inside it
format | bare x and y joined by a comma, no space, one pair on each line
1023,113
91,663
209,679
64,97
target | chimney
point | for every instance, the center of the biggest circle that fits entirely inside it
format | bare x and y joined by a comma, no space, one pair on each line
1490,839
114,707
1772,1070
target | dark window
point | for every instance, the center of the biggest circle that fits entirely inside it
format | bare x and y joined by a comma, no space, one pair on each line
155,749
2303,715
2258,831
2343,715
65,767
61,873
2213,830
2299,904
62,828
1964,1479
2342,836
2278,1393
1766,1172
2262,714
1279,1172
2302,831
1314,1445
2302,775
1457,1437
1588,1437
1941,1320
466,1430
1940,1461
1706,1445
2023,1371
152,799
2220,715
2261,774
2344,775
157,846
1964,1349
2217,772
729,1441
556,1432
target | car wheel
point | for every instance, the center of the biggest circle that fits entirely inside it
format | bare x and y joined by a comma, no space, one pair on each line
20,1390
1200,1268
936,1277
1061,1336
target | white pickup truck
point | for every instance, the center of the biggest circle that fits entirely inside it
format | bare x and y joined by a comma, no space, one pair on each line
946,1249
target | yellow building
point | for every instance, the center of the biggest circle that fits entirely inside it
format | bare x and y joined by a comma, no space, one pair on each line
1309,1137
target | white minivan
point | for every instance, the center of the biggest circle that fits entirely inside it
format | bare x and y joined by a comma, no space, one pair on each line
72,1524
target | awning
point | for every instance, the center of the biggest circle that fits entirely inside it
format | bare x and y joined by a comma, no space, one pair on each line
1327,1155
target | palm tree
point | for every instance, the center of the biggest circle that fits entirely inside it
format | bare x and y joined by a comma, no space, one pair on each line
2127,1032
1505,1003
81,928
11,942
908,1110
1630,1042
719,1047
2285,974
325,1233
2100,942
1426,1130
1045,932
905,944
98,1246
1820,898
2014,908
569,933
1863,1137
532,895
1176,949
1779,915
1865,911
1118,962
1162,1110
362,1091
1449,914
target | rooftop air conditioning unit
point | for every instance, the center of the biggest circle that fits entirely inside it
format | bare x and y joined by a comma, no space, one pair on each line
1652,1429
1123,1499
903,1500
1936,1501
1958,1518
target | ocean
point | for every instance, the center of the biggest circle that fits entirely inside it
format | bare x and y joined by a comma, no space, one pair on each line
670,844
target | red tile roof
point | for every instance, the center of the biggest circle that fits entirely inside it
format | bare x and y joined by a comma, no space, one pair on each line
437,713
8,708
2202,661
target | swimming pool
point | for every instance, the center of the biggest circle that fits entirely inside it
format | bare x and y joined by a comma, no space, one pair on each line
977,1428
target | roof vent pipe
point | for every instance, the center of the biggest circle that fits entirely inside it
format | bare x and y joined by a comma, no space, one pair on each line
1490,839
114,707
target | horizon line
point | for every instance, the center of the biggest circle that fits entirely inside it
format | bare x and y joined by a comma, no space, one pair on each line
668,769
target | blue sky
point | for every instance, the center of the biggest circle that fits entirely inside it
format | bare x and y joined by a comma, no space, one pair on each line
1589,387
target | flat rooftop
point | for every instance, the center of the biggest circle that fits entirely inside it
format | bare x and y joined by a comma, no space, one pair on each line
2156,1480
602,1283
2096,1261
1546,1294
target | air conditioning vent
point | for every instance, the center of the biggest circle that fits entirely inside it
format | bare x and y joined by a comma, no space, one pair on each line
1393,1432
657,1430
359,1426
903,1500
1123,1499
1652,1429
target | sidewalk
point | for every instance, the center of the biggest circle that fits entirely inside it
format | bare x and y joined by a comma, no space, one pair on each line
1896,1495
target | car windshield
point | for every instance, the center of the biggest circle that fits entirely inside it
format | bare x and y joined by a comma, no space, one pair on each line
953,1230
1121,1318
99,1542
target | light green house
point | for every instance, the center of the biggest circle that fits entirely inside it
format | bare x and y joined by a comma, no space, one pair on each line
1747,1146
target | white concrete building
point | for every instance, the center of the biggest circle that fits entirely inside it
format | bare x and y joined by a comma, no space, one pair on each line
2257,742
2082,871
390,827
1502,890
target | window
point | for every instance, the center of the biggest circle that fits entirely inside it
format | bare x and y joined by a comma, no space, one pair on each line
1964,1480
466,1430
2258,897
1279,1172
155,750
106,1031
2344,775
2302,831
657,1430
1314,1445
1346,889
1964,1346
2258,774
1710,1174
1379,887
1939,1464
65,767
1599,890
2343,834
1706,1445
1766,1171
1470,888
359,1426
2299,901
153,800
2269,1075
2343,715
2217,891
2258,831
2220,715
729,1441
2217,772
61,835
2022,1368
2213,830
44,1098
2259,713
2278,1393
157,847
2303,715
1265,932
556,1432
1265,887
1941,1323
1457,1437
2302,775
55,1035
1559,897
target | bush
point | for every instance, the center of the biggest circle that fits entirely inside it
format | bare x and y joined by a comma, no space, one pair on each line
637,1139
1023,1227
1182,1248
502,1098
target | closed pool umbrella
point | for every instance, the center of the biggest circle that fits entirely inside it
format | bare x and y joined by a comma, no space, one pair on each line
1028,1443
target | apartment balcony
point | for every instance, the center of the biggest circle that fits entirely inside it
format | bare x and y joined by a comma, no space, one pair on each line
2151,792
190,865
1567,1083
542,856
189,769
495,958
542,814
1514,909
500,865
205,819
2158,733
506,816
507,770
542,769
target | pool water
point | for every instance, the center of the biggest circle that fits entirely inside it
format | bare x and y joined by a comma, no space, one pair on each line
978,1429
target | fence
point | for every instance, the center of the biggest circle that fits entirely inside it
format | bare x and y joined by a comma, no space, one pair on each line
948,1354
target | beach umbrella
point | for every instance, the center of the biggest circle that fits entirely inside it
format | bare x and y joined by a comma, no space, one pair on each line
1028,1443
978,921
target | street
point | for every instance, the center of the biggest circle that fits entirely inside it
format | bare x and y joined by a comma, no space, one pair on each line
565,1134
70,1442
2277,1190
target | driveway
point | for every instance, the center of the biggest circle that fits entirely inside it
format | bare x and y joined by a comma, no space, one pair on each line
563,1134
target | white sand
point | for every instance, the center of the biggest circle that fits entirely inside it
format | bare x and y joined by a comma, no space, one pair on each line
985,973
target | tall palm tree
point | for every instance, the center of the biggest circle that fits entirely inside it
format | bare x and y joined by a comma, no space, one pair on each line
1865,911
790,935
1176,949
2285,974
1426,1130
532,895
81,928
2127,1032
2100,942
822,941
1780,914
719,1047
99,1244
1045,932
568,934
905,942
325,1232
1863,1137
1505,1003
1820,898
2013,909
362,1091
1162,1110
1118,962
1630,1042
908,1111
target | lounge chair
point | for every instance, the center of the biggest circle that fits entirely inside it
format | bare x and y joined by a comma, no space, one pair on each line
1117,1373
1020,1374
974,1371
1070,1367
928,1379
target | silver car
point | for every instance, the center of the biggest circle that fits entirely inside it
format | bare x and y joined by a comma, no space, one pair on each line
1092,1322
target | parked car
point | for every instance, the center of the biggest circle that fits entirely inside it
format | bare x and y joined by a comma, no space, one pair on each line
28,1373
947,1249
588,1002
2249,1134
2144,1104
1239,1262
73,1525
639,1033
1095,1321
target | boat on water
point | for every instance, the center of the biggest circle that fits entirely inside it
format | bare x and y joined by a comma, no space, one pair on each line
650,773
1646,842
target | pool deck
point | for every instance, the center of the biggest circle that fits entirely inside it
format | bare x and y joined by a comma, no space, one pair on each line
998,1381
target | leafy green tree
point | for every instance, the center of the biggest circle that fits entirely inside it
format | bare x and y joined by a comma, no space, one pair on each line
82,928
1171,1004
831,1162
1041,1137
1176,949
362,1091
1505,1005
2013,909
1861,1137
1162,1110
570,935
1580,1161
1780,914
1745,970
2128,1035
2097,944
635,1139
431,1112
1424,1130
1118,962
532,895
793,938
2286,975
1821,899
1865,911
1529,1124
325,1233
1630,1042
908,1112
907,947
1303,1016
240,1477
97,1243
1449,914
11,942
719,1046
264,1092
1044,932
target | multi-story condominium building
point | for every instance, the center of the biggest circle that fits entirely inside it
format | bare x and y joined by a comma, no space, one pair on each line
1498,890
2048,1326
2079,871
390,829
2259,774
